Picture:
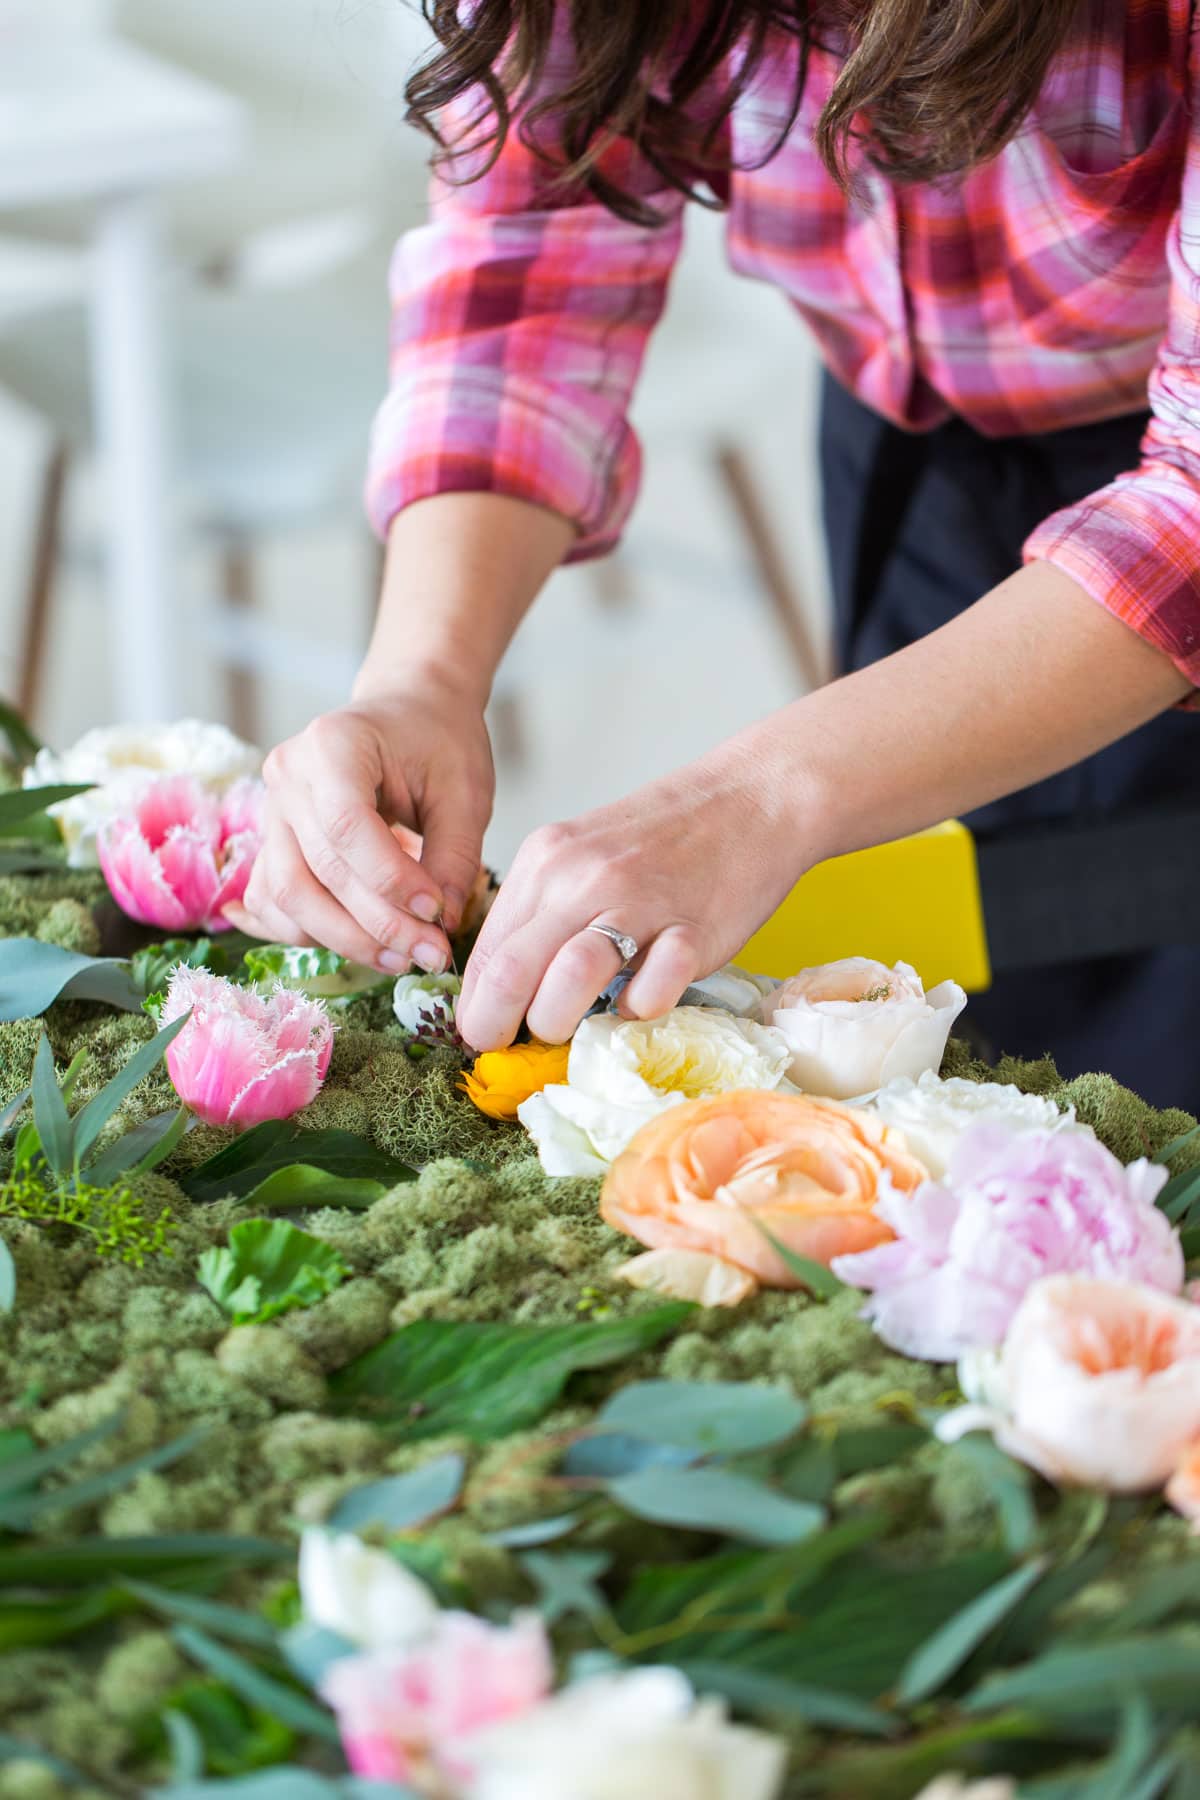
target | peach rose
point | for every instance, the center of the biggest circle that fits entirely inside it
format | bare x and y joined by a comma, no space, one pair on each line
713,1174
1183,1489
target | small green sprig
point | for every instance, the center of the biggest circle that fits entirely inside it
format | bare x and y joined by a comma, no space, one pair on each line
111,1218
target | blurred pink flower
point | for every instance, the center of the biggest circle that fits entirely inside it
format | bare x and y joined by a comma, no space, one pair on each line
244,1057
182,853
1012,1209
399,1710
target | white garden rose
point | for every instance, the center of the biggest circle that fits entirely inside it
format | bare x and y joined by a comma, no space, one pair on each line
419,1000
957,1787
734,989
853,1026
624,1072
119,759
639,1735
363,1595
933,1114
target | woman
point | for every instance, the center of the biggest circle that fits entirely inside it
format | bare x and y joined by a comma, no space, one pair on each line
987,211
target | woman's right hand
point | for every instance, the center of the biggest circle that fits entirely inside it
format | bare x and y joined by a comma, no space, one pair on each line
332,871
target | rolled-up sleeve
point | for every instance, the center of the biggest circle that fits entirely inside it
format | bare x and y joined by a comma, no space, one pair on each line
520,317
1135,545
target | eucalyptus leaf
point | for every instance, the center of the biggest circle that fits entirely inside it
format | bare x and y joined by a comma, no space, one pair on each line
799,1702
613,1453
185,1745
710,1418
254,1686
310,1649
402,1501
1069,1681
90,1121
269,1267
301,1186
485,1380
1009,1485
34,975
717,1500
536,1532
566,1582
280,1144
952,1643
8,1278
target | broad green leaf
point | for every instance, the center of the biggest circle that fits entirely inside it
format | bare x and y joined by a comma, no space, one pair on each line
20,805
238,1738
952,1643
269,1268
402,1501
55,1131
717,1500
8,1279
34,975
820,1281
302,1186
566,1582
211,1615
711,1418
875,1446
798,1702
279,1144
51,1619
151,966
90,1121
321,973
486,1380
1164,1666
143,1148
254,1686
22,742
1180,1195
80,1561
20,1511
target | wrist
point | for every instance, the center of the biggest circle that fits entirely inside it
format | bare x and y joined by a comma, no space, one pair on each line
782,774
427,677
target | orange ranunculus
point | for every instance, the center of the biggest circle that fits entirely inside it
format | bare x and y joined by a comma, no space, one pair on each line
501,1079
712,1174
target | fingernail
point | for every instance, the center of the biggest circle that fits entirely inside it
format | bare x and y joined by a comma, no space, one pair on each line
430,957
425,907
393,963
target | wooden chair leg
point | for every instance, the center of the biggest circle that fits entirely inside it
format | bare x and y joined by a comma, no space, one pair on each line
43,572
238,589
791,613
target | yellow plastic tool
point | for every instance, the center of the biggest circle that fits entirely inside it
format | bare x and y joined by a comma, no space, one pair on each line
915,900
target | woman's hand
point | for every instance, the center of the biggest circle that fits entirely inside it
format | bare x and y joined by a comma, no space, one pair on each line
331,871
689,867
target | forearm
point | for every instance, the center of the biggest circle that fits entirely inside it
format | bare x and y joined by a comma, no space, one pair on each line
1033,678
462,570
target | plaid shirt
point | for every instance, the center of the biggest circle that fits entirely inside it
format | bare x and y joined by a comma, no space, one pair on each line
1057,285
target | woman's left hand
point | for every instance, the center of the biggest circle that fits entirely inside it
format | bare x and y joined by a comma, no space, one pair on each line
689,867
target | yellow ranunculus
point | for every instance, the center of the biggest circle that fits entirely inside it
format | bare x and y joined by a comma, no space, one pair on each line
502,1079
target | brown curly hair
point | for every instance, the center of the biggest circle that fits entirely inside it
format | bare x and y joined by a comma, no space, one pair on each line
928,88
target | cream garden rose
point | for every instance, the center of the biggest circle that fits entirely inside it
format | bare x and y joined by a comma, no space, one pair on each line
933,1114
119,759
855,1025
363,1595
622,1073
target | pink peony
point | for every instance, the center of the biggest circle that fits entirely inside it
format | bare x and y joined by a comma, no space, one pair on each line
1013,1208
244,1057
182,853
399,1710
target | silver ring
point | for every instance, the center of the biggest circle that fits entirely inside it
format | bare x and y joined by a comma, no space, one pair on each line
628,946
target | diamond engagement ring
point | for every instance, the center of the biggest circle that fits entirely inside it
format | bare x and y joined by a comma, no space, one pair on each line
626,945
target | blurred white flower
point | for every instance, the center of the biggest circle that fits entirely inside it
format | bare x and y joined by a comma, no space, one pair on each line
734,989
640,1735
854,1025
624,1072
957,1787
120,758
933,1114
425,1000
363,1595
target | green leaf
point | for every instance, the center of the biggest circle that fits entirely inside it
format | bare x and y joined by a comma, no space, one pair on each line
1176,1145
1009,1485
566,1583
712,1418
8,1278
83,1560
55,1131
1164,1666
321,973
29,859
952,1643
402,1501
717,1500
185,1745
147,1145
14,1749
210,1615
23,1466
51,1619
797,1702
269,1268
20,805
820,1281
34,975
91,1120
486,1380
252,1685
20,1511
22,742
302,1186
151,966
8,1113
279,1144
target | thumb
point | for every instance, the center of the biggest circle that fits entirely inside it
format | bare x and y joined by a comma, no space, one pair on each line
453,850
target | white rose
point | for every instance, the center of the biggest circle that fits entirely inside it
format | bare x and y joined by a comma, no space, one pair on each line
425,1000
119,759
364,1595
624,1072
853,1026
639,1735
1097,1383
733,989
957,1787
933,1114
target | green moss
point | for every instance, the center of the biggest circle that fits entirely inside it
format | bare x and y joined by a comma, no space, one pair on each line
137,1676
267,1361
72,925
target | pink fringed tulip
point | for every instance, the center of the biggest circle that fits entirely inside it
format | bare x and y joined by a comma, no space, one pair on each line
244,1057
182,854
402,1711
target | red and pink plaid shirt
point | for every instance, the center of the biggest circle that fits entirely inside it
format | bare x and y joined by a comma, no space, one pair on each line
1055,286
